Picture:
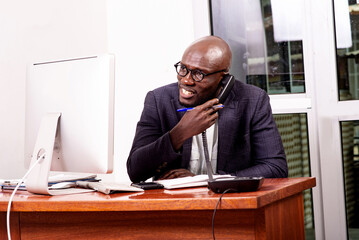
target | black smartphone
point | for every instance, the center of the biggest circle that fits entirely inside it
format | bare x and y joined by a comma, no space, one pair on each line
227,82
147,185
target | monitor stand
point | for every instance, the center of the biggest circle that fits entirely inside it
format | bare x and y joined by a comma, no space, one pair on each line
48,147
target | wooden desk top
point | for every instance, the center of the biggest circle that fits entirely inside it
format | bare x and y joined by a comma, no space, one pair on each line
159,199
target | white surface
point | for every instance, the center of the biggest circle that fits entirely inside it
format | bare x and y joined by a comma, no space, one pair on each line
144,36
33,31
147,38
82,91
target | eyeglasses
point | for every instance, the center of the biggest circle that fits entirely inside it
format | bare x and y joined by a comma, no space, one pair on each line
196,74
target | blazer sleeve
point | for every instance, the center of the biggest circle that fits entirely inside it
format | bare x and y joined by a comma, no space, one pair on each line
152,150
267,156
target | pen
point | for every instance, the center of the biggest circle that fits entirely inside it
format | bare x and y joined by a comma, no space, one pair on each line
190,109
184,109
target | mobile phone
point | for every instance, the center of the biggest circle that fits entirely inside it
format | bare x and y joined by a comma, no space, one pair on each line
147,185
228,82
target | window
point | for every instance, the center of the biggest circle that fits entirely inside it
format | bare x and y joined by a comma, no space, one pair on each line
348,53
274,64
294,132
258,58
350,144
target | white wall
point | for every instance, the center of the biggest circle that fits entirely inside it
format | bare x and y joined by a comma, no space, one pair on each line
146,36
32,31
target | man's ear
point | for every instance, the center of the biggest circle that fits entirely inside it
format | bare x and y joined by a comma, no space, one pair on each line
225,73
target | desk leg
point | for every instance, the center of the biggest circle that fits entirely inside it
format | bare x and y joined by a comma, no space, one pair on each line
285,219
14,225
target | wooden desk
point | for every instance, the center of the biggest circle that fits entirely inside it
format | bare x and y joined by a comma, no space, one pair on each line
273,212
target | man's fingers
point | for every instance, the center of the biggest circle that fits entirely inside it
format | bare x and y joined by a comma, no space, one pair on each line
214,109
209,103
170,174
167,174
175,173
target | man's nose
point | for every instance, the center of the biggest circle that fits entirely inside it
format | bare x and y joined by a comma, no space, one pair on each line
188,80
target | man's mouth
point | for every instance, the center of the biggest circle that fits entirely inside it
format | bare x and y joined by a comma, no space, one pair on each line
186,93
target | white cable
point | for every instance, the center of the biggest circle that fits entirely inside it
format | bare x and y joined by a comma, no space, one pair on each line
13,194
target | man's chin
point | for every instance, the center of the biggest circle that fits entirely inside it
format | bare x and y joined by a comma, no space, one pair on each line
187,105
191,102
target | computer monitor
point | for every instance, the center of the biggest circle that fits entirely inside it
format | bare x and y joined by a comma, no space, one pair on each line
69,118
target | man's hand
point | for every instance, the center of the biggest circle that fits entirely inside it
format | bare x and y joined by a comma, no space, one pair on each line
194,122
176,173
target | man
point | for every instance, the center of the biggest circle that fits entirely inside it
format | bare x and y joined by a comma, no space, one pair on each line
243,139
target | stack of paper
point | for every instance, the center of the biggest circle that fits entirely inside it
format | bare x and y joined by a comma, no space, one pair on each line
108,187
53,179
185,182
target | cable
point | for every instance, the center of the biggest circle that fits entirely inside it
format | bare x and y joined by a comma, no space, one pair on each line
13,194
206,156
214,213
210,176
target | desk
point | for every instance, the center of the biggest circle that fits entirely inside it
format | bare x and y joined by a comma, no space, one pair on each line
273,212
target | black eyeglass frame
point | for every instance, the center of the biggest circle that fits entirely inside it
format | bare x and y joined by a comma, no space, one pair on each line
191,70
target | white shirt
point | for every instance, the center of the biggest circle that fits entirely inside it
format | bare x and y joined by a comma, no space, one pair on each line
197,164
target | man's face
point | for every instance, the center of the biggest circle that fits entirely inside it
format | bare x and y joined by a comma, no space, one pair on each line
191,92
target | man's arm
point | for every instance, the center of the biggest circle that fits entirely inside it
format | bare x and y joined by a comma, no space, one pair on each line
155,148
267,156
152,149
268,153
194,123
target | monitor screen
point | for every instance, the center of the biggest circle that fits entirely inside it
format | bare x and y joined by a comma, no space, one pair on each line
81,92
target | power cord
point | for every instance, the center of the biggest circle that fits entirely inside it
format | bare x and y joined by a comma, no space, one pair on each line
13,194
215,210
210,176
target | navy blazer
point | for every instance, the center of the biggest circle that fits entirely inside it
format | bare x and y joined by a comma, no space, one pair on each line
249,143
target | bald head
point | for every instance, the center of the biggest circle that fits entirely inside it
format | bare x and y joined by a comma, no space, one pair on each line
210,51
211,56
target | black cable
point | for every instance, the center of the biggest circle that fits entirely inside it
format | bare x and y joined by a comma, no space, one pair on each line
214,213
205,149
206,156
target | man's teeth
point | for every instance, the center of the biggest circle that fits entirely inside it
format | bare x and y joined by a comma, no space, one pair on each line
186,92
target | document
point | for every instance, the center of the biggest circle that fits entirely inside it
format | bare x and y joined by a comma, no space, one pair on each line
185,182
54,179
108,187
